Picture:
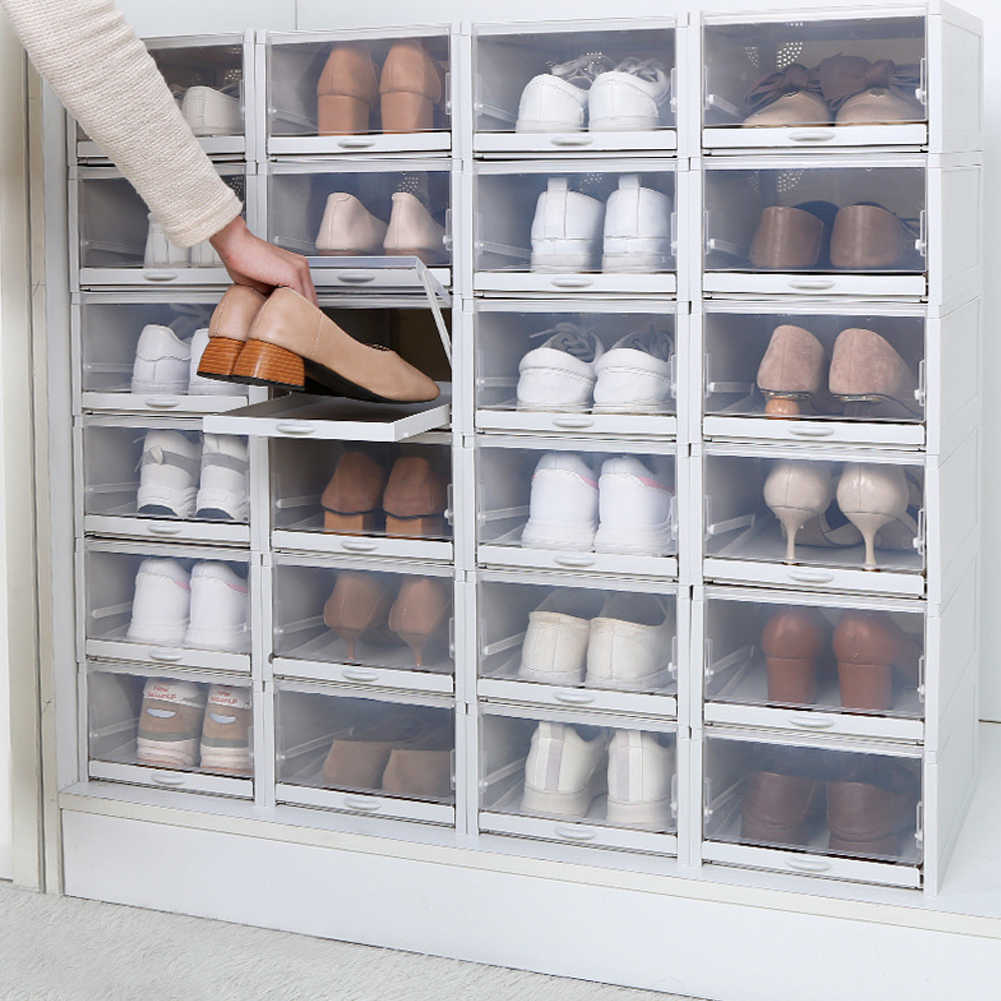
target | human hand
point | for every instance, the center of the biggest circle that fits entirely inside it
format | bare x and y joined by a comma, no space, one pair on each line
259,264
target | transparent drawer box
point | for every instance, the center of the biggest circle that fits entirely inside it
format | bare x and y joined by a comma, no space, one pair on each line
377,91
619,362
379,756
577,778
166,604
569,641
360,623
133,355
795,518
163,479
182,731
849,812
570,226
576,505
575,86
114,241
343,497
335,211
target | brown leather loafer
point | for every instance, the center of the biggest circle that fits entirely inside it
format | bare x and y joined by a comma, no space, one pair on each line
867,646
410,87
346,91
866,369
792,640
357,605
419,614
867,237
351,498
871,815
778,808
787,238
415,499
228,330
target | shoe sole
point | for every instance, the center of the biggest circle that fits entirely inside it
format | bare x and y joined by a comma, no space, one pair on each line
649,815
563,804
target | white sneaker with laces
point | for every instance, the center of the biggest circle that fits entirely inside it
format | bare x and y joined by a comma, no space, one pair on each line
555,647
560,373
631,644
563,505
198,385
634,374
161,363
168,474
640,772
224,491
557,101
563,771
566,229
160,252
219,606
637,228
630,98
635,510
210,112
160,603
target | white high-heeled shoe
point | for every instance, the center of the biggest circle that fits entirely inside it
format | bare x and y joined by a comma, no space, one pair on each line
875,498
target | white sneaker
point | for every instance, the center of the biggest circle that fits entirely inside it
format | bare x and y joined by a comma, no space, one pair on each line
631,644
160,603
555,647
640,772
348,228
634,375
560,373
160,252
203,255
566,230
198,385
637,228
557,101
219,605
224,489
210,112
161,364
630,98
168,474
226,732
563,509
563,771
635,510
170,723
413,232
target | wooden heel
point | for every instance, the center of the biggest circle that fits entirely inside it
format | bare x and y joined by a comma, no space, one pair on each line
341,115
268,364
426,527
219,357
866,686
403,111
350,524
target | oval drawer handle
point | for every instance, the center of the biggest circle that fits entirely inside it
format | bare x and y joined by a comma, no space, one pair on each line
161,402
165,655
807,722
812,135
158,528
574,561
361,803
802,865
811,432
568,833
160,276
806,577
574,698
354,546
169,780
352,279
294,428
573,140
812,284
571,282
573,422
355,143
359,674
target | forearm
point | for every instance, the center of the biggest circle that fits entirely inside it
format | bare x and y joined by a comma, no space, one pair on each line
109,83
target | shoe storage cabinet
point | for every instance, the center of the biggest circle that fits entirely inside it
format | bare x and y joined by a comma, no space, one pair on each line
599,681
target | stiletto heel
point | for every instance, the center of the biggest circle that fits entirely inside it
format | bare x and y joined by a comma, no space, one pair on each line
357,605
868,523
792,520
419,613
796,492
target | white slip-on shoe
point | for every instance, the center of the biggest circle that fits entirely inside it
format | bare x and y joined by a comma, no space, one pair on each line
198,385
210,112
563,505
630,98
413,232
219,609
564,771
637,228
566,229
631,644
160,252
560,373
170,723
160,603
641,767
555,647
226,731
203,255
168,474
634,374
161,363
636,510
223,491
348,228
557,101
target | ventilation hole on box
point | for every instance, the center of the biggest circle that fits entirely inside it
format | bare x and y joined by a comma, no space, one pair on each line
788,54
788,180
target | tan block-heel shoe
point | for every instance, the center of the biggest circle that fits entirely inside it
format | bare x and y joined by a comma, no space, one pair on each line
791,641
787,238
868,647
346,91
419,614
228,329
866,369
415,499
872,496
410,87
792,369
351,498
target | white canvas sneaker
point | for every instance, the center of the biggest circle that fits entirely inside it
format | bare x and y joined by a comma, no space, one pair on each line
637,228
170,723
630,98
640,771
168,474
160,252
557,101
198,385
634,375
631,644
566,229
161,363
564,771
160,603
635,510
560,373
413,231
210,112
555,647
348,228
223,491
203,255
563,505
226,732
219,605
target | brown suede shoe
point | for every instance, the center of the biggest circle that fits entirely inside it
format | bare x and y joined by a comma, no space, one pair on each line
792,640
420,612
423,766
358,757
358,604
351,498
867,237
792,368
346,91
411,86
868,645
228,331
865,368
871,814
291,338
777,808
415,499
787,238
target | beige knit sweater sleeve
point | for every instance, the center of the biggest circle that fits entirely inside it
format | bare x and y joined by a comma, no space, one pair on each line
109,83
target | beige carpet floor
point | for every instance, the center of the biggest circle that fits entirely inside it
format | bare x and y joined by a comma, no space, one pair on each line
61,949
